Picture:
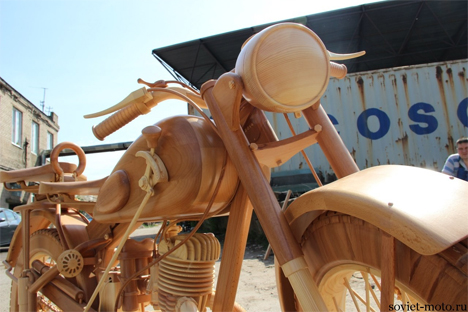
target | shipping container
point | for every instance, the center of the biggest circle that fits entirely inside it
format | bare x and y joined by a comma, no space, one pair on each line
409,115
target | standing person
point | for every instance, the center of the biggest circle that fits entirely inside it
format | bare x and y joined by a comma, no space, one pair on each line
457,164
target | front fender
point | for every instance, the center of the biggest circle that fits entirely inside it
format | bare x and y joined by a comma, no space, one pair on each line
426,210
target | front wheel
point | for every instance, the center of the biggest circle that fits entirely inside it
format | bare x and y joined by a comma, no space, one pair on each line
343,254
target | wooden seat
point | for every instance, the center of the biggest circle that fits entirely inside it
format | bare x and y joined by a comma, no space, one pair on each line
72,188
35,174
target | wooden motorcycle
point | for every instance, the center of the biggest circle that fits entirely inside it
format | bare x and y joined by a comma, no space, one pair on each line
403,228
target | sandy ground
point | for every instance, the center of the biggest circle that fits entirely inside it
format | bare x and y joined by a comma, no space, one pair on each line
257,284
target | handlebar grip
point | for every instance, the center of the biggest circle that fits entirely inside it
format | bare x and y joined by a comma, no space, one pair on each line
338,70
116,121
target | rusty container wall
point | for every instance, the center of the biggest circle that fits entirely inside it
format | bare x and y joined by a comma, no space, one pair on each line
408,115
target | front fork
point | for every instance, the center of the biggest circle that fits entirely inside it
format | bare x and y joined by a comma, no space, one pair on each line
223,98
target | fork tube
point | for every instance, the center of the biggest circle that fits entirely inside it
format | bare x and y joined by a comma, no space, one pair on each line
260,193
330,142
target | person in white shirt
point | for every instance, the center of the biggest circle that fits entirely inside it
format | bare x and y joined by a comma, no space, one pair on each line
457,164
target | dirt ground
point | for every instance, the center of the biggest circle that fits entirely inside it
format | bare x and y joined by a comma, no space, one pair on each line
257,284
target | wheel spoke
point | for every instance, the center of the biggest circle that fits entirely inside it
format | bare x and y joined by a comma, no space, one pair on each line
405,299
365,276
410,299
362,300
370,289
336,305
352,293
377,283
376,299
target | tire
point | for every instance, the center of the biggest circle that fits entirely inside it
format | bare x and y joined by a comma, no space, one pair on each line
337,246
44,245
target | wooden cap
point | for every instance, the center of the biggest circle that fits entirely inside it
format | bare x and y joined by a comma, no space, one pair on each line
152,134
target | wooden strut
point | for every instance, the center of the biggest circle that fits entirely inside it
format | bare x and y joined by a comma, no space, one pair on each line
388,271
233,251
288,251
26,301
307,159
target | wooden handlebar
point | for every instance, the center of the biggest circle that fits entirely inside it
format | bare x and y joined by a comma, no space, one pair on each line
137,108
118,120
338,70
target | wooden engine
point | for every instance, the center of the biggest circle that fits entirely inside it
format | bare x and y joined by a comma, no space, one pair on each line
181,281
184,280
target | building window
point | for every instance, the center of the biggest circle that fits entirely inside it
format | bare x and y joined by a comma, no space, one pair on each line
35,137
17,133
50,141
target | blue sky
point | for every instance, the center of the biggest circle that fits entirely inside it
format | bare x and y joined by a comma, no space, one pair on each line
89,54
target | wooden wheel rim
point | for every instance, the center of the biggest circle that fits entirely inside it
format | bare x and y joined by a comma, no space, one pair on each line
332,283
